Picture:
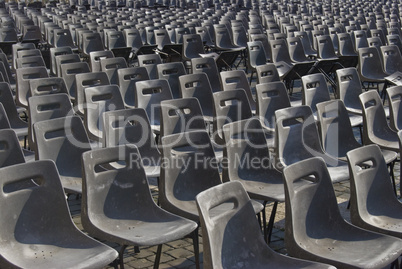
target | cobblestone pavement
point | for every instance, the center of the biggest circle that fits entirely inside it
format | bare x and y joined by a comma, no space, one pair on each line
179,254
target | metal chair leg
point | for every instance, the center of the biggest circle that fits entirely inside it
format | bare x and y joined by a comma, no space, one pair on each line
121,254
158,257
196,248
271,222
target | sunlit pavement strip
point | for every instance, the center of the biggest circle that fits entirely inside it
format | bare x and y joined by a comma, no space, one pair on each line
179,254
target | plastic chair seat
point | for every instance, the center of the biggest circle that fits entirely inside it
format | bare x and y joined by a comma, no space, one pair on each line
156,229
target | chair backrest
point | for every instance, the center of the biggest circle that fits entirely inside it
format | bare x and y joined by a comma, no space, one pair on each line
245,140
394,95
371,191
150,62
360,39
223,39
110,67
18,47
208,66
315,90
23,76
11,152
296,49
46,107
311,207
131,126
296,135
91,42
133,38
335,128
198,85
181,115
41,86
149,94
192,46
62,140
239,36
68,72
256,54
100,99
370,63
121,196
345,45
171,72
349,88
395,40
280,51
32,61
179,185
230,106
161,38
127,77
86,80
392,59
270,97
96,56
56,52
63,38
374,117
236,79
222,250
325,47
64,59
115,39
267,73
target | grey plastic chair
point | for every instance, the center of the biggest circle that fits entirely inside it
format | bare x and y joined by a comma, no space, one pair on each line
16,123
267,73
149,94
127,77
63,140
46,107
179,185
394,95
171,72
198,85
118,207
375,125
131,126
336,132
68,72
18,47
230,106
42,86
209,67
372,203
297,139
245,140
150,61
315,229
237,79
392,59
314,91
181,115
11,152
110,67
91,42
86,80
256,56
96,56
56,52
35,216
370,67
223,234
349,89
64,59
270,97
23,76
100,99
